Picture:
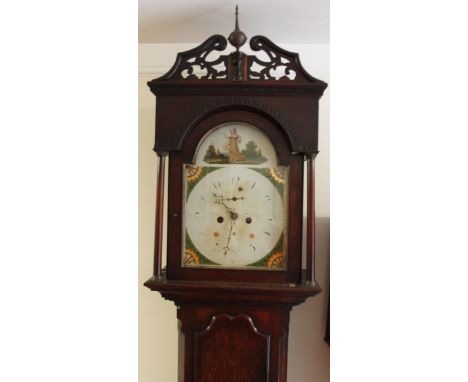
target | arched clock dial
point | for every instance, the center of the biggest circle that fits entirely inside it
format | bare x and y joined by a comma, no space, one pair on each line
235,217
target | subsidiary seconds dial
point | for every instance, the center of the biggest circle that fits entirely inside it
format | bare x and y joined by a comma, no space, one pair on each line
234,216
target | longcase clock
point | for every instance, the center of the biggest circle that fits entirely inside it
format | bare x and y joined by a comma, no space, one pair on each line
237,131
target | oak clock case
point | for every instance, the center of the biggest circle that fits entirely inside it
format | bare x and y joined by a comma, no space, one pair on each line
238,131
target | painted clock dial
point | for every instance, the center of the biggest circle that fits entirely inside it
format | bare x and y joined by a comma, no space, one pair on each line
235,208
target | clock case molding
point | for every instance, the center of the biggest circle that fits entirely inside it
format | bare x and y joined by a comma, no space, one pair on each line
251,306
294,108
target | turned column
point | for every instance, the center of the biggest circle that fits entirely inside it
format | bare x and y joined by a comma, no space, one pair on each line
159,219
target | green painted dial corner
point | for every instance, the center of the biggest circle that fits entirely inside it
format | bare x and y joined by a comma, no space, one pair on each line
267,173
198,256
264,261
196,177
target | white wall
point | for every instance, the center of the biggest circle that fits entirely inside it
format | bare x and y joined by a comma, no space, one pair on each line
308,358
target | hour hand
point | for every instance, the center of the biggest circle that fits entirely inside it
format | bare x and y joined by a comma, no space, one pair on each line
219,199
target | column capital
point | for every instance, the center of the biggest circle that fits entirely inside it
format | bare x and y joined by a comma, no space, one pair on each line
311,155
162,153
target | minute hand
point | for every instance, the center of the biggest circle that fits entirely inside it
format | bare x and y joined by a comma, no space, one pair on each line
226,248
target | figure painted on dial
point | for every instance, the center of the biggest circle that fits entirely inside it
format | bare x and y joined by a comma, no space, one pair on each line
232,146
236,144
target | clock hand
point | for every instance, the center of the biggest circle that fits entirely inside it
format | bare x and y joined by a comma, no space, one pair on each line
219,199
234,198
226,248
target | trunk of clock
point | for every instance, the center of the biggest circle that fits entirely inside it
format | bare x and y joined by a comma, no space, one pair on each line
233,344
232,332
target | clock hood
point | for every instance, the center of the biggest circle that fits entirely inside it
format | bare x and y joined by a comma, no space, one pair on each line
277,87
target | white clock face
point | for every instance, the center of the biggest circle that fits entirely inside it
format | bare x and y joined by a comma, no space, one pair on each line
235,216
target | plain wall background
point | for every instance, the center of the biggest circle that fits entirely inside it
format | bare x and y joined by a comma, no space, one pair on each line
308,357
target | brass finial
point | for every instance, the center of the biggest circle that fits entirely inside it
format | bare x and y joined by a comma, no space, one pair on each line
237,38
